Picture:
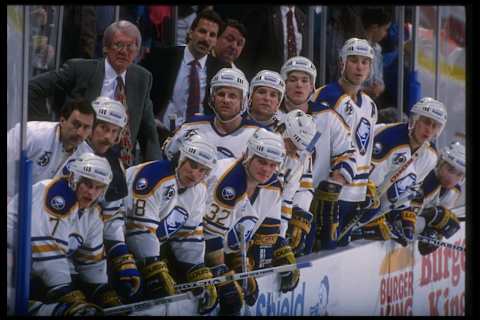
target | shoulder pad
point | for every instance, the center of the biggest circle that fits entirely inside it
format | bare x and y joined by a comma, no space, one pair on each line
201,118
389,138
232,185
60,199
430,183
150,175
327,97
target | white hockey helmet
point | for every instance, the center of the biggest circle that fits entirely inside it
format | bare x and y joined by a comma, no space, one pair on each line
198,149
430,108
110,111
356,47
267,78
299,63
93,167
267,145
454,154
229,77
299,128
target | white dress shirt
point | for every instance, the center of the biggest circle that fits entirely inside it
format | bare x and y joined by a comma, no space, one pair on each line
177,104
298,36
110,81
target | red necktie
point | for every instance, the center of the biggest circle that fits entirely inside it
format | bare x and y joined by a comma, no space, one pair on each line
291,43
193,101
126,146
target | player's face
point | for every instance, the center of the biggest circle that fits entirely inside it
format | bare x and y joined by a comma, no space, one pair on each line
425,129
449,176
104,135
88,192
357,69
229,45
75,129
298,87
290,148
203,38
261,169
122,51
191,172
265,102
228,102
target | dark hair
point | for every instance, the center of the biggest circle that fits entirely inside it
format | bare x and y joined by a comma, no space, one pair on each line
81,104
209,15
237,25
378,16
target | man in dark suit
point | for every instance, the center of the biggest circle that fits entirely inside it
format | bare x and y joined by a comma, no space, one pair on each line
115,77
173,94
268,41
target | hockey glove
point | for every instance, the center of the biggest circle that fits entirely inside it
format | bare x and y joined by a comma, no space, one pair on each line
427,248
230,294
283,255
158,281
375,230
298,229
234,260
408,223
371,200
394,223
208,294
104,296
326,212
126,278
442,220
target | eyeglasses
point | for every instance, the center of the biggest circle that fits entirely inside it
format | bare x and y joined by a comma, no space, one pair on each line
119,46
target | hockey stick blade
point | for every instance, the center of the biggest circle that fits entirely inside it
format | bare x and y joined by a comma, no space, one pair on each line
440,243
142,305
240,276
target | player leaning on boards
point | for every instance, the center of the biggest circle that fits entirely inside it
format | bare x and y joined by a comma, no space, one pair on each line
111,120
228,128
241,192
403,155
441,190
165,206
68,264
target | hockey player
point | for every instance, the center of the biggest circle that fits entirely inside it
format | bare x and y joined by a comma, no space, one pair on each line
68,264
50,144
165,207
394,145
441,190
299,74
360,114
228,128
242,192
111,119
266,93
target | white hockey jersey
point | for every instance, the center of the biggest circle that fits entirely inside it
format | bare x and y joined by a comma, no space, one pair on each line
158,211
391,151
334,150
43,147
65,239
361,117
231,145
228,204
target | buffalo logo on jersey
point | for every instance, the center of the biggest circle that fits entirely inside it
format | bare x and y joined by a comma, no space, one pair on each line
233,237
228,193
225,153
363,135
141,185
399,158
175,219
377,148
401,187
169,192
57,203
44,159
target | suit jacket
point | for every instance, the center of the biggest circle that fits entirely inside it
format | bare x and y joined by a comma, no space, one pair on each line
164,64
264,44
84,78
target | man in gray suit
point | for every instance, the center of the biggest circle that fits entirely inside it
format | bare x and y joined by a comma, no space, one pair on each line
114,76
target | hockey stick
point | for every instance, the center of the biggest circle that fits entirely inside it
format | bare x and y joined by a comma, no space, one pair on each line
142,305
240,276
392,178
439,243
243,252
